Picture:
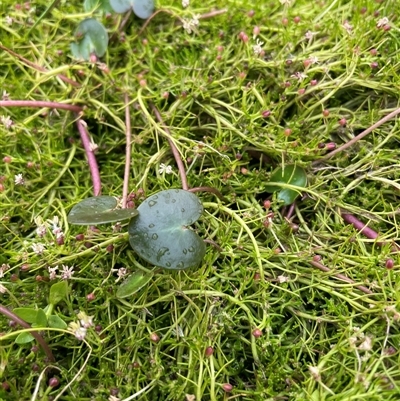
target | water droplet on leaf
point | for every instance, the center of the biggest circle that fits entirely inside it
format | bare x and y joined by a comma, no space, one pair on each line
191,249
152,203
161,252
154,236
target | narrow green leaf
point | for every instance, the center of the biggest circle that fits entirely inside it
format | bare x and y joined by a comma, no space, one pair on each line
99,210
133,284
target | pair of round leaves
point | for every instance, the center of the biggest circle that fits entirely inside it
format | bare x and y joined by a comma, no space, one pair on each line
142,8
158,230
91,38
290,174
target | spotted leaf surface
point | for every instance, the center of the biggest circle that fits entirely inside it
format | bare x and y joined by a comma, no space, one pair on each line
161,233
99,210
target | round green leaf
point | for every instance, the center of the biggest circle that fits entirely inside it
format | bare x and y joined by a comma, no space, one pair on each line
121,6
292,175
133,283
143,8
91,37
99,210
161,235
97,5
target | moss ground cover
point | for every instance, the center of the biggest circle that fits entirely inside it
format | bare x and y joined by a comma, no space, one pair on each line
299,302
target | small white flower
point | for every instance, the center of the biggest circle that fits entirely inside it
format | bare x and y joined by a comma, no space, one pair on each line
93,146
346,25
67,272
78,331
313,60
299,75
41,230
3,289
6,95
6,121
52,272
3,268
116,228
314,370
187,26
121,273
19,179
310,35
353,341
185,3
113,398
8,20
38,248
257,48
282,279
195,19
85,320
165,169
366,345
190,25
382,22
286,2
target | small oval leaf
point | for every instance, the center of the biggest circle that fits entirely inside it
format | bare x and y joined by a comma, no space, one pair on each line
99,210
161,235
27,314
41,319
24,338
143,8
56,322
133,283
91,38
289,174
58,292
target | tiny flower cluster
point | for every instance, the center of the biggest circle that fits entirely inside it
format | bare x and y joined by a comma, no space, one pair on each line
6,121
55,226
121,273
165,169
66,272
19,179
360,341
79,329
190,25
257,48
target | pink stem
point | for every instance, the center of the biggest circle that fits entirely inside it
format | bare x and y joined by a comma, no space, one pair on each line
360,226
342,277
39,103
12,316
94,169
